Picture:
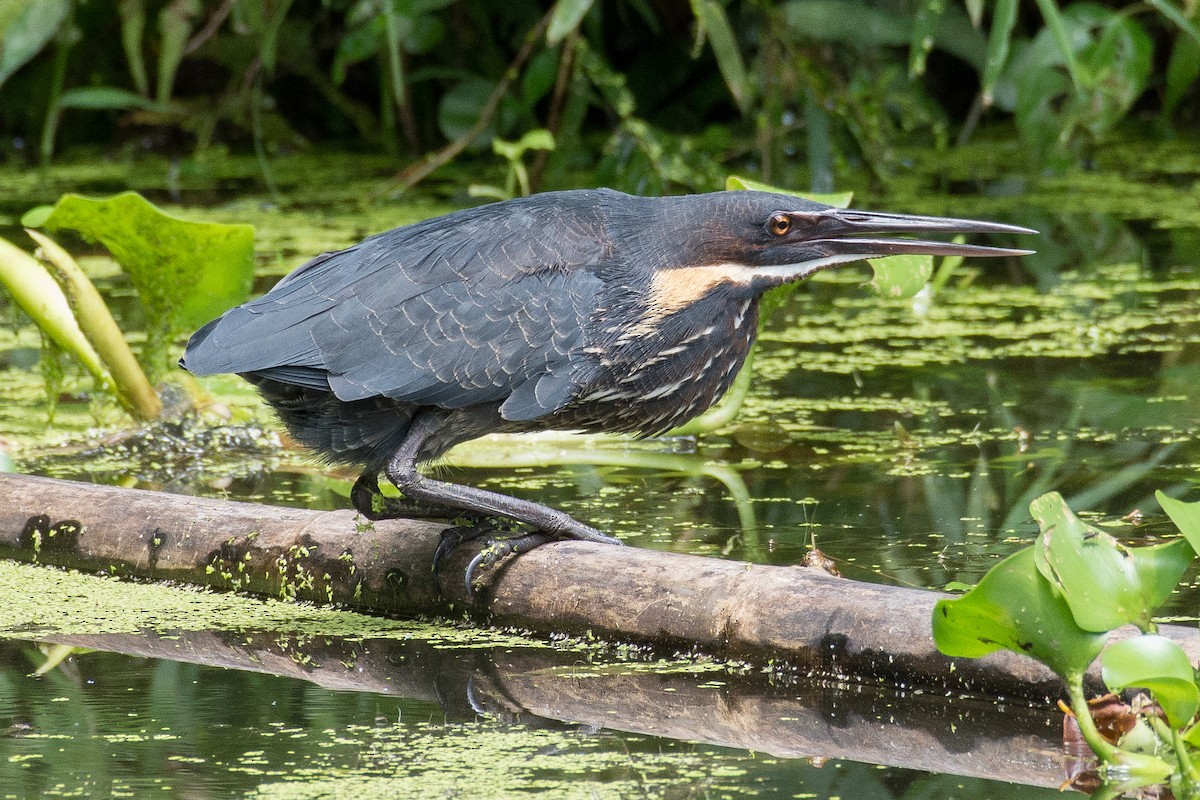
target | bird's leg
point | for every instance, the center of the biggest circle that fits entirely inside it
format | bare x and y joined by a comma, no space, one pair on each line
374,505
402,471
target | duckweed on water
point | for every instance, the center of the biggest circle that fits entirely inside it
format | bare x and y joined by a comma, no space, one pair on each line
37,602
427,760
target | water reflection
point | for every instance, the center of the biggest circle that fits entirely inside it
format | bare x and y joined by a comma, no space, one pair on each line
337,717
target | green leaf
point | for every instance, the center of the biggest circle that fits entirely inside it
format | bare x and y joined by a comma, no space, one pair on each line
835,199
900,277
1186,517
536,139
715,24
97,323
133,28
174,28
109,98
1158,664
1056,26
1004,19
975,10
459,110
1013,608
26,26
1168,10
869,27
358,44
1182,70
566,18
185,272
1105,583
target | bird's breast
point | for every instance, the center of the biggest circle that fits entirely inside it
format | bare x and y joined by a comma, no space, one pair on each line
657,379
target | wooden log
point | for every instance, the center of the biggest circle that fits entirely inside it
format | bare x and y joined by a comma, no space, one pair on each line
797,620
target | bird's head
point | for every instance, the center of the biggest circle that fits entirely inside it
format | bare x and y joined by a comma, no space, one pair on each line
762,239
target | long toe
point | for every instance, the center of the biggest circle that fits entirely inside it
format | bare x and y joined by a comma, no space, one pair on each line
569,528
451,538
498,549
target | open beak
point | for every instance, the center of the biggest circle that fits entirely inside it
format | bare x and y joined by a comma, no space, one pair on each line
845,232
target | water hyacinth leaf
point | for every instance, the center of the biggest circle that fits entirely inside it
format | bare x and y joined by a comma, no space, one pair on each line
900,277
1013,608
1158,664
1105,584
835,199
1186,517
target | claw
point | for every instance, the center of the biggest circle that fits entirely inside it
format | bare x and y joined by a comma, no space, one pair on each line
499,549
452,538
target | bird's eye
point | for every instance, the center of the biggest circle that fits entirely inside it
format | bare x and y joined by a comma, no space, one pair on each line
779,224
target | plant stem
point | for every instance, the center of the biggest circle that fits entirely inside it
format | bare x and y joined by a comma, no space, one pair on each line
1189,770
1104,750
133,389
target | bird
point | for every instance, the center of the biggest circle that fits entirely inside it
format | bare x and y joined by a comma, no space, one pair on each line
579,310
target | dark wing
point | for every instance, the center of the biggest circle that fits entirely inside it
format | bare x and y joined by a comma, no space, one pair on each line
485,305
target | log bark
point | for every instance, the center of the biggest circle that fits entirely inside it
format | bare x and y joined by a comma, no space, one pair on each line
796,620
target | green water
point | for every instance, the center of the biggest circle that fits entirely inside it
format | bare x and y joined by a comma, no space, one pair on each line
904,440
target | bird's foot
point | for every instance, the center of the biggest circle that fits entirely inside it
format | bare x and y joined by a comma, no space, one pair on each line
453,537
502,544
498,549
373,504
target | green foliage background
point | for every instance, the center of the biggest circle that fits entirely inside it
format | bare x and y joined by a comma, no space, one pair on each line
644,95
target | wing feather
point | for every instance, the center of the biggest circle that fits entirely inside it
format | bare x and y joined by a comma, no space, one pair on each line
484,305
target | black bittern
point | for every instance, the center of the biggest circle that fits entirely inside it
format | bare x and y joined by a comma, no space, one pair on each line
578,310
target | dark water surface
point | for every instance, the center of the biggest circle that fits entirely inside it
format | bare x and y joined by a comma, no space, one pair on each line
905,440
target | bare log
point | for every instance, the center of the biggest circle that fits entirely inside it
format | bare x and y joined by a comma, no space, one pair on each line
795,619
